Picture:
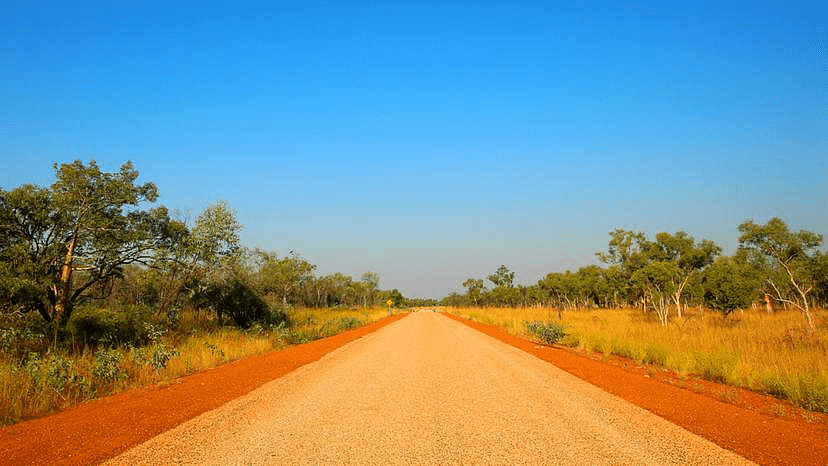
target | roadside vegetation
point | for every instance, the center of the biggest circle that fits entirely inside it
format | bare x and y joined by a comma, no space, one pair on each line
773,354
100,292
38,377
755,319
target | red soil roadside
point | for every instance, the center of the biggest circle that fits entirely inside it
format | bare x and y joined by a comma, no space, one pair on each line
101,429
744,424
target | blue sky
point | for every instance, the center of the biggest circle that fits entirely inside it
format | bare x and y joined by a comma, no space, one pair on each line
432,142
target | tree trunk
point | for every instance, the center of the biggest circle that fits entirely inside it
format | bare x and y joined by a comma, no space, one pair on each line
679,292
63,306
803,294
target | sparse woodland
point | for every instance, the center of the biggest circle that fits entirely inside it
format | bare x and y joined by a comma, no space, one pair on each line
101,290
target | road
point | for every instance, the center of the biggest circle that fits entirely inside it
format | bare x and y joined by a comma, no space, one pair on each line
428,390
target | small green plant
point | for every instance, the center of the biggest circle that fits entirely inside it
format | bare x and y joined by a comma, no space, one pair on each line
348,322
107,365
159,355
549,333
572,340
57,372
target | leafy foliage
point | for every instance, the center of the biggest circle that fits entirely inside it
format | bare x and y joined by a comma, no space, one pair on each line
549,332
794,253
107,365
731,283
241,303
131,325
86,226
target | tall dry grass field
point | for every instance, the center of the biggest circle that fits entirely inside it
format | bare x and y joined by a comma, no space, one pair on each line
769,353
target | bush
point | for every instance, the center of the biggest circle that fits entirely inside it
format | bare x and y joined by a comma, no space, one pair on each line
131,325
572,340
108,365
160,354
242,304
24,335
548,333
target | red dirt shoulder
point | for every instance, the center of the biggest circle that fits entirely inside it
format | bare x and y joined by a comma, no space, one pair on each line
736,419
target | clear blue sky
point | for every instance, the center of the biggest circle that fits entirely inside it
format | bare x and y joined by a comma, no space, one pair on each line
432,142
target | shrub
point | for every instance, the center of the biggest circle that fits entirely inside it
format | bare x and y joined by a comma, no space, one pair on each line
775,386
214,350
57,372
160,354
131,325
107,365
572,340
21,336
548,333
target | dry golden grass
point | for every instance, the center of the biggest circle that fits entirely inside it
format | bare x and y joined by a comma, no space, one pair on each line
771,353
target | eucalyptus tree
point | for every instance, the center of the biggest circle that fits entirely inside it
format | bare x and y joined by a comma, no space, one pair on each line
370,283
283,278
87,225
731,283
504,292
627,252
475,290
820,273
793,252
502,277
208,258
658,281
688,256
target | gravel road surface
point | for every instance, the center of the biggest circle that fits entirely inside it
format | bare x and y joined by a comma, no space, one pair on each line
428,390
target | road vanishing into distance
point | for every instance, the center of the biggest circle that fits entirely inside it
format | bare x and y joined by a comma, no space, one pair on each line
428,390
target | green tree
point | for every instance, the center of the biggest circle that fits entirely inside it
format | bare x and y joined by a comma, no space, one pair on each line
593,285
689,256
504,292
502,277
87,225
475,289
657,282
209,256
731,283
282,278
370,283
793,252
627,252
820,274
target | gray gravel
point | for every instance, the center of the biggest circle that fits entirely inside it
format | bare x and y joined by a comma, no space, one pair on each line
428,390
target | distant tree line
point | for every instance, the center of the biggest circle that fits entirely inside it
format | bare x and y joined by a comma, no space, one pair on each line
90,238
773,266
